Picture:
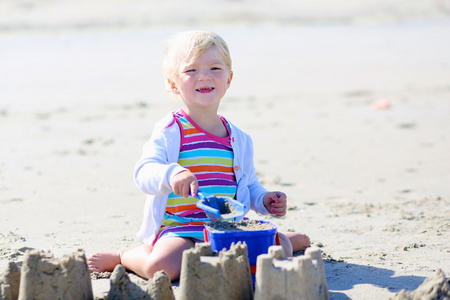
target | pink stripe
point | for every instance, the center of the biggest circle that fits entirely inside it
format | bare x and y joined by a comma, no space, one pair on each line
201,137
188,212
157,237
195,138
171,123
215,175
181,132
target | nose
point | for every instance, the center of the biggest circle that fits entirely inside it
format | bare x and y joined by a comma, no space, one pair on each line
204,75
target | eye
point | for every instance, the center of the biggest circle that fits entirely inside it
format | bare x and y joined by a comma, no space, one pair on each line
215,68
190,70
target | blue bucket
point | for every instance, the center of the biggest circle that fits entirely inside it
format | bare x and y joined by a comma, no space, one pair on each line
258,242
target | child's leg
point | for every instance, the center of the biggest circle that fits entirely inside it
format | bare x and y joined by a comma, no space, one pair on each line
105,261
299,241
165,255
145,260
293,242
286,244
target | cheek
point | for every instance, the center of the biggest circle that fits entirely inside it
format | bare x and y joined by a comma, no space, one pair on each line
222,78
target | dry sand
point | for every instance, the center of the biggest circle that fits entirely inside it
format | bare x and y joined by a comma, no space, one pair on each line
80,90
244,225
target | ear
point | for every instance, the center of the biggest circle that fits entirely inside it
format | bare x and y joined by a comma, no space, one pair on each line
230,77
173,86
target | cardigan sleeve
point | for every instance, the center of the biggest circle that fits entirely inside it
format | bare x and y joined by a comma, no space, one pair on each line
257,190
157,165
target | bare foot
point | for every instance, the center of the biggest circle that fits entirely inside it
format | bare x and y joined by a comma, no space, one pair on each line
105,261
299,241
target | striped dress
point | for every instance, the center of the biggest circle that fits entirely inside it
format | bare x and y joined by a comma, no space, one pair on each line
210,159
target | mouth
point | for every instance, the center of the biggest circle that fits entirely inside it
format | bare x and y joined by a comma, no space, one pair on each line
206,89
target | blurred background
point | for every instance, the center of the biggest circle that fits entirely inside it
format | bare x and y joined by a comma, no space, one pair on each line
79,52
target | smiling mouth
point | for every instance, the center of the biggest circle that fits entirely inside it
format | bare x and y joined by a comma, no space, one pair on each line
205,89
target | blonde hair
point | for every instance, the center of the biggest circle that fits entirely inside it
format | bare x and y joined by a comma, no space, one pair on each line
190,46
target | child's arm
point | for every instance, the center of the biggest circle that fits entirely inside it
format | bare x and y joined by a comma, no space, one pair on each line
158,165
263,201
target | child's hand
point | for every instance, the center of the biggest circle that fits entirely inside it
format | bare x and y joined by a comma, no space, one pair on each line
276,203
184,182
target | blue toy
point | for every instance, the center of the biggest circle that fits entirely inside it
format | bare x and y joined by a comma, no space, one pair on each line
220,207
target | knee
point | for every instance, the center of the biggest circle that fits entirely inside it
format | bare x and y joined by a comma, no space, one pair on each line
286,244
154,265
151,266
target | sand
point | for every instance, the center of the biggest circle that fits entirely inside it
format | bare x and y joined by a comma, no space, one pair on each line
227,210
247,225
80,90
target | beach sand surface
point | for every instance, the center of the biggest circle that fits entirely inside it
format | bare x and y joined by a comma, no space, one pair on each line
81,88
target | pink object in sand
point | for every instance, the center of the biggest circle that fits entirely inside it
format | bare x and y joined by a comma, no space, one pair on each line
380,104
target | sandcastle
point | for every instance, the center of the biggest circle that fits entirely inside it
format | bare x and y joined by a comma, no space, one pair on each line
159,287
206,275
10,282
302,277
45,277
434,287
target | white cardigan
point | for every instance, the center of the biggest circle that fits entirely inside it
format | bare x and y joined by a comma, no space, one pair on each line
158,165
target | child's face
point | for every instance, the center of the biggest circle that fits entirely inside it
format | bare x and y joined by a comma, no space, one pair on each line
203,83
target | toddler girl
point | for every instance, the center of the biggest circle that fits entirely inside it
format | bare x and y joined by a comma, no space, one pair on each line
189,149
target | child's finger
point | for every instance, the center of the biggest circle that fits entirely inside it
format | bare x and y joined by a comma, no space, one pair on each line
279,204
279,197
277,210
186,188
280,214
194,189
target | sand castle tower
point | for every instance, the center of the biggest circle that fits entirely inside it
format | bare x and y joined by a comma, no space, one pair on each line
434,287
206,275
301,277
44,277
122,288
10,282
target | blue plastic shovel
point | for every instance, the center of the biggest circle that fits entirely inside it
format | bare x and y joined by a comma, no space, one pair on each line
220,207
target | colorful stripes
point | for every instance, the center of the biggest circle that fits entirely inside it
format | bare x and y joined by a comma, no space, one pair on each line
188,231
210,158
